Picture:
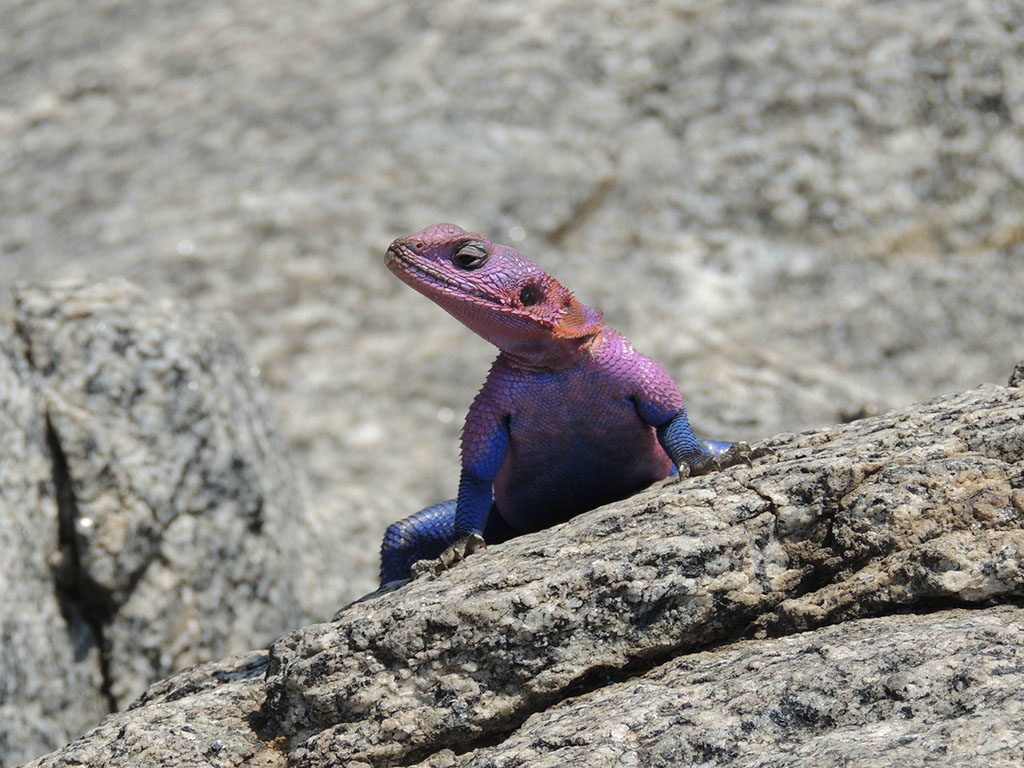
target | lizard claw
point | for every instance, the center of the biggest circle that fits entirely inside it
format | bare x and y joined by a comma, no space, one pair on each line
456,553
738,453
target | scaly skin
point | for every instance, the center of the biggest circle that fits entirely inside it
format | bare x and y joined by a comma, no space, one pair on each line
569,418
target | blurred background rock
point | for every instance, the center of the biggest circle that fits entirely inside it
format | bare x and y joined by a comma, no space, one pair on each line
805,210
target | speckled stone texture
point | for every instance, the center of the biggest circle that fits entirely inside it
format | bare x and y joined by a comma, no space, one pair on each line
805,211
922,506
150,519
50,670
208,715
940,689
1017,377
808,610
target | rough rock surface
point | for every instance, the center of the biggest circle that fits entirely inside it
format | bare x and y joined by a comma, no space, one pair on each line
208,715
1017,377
50,671
938,689
807,211
804,209
150,519
822,553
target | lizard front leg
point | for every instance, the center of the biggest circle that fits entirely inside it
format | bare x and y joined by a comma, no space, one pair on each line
438,537
470,511
698,457
426,542
485,441
482,455
456,552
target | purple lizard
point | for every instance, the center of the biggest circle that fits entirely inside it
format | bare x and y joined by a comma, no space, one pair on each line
569,418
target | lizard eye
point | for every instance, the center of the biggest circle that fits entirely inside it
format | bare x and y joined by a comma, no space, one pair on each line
470,256
529,296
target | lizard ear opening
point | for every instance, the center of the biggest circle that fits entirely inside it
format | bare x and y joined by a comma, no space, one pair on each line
530,295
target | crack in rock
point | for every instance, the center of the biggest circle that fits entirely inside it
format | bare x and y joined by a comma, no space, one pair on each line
80,597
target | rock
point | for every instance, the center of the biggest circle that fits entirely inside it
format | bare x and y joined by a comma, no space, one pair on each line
51,681
808,610
936,689
207,715
151,518
1017,377
804,211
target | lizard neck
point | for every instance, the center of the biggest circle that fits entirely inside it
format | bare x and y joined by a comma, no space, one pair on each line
548,355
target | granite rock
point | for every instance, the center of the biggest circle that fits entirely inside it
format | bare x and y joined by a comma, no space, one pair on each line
919,507
51,681
812,607
806,211
149,509
206,715
938,689
1017,377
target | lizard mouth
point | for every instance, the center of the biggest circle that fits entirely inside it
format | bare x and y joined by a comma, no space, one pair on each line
416,272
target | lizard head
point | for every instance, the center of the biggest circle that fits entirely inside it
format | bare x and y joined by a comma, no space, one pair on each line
496,291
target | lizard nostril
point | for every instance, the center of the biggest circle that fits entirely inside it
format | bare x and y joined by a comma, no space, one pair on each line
418,245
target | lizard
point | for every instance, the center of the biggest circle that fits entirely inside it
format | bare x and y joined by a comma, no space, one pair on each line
570,416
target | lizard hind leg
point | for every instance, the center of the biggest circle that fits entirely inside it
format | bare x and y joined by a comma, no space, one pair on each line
422,536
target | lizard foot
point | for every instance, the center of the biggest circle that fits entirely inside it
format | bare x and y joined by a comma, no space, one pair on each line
456,553
738,453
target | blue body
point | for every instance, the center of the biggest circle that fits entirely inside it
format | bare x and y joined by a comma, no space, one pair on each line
541,446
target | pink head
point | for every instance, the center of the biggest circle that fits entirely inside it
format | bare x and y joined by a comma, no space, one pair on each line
497,292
